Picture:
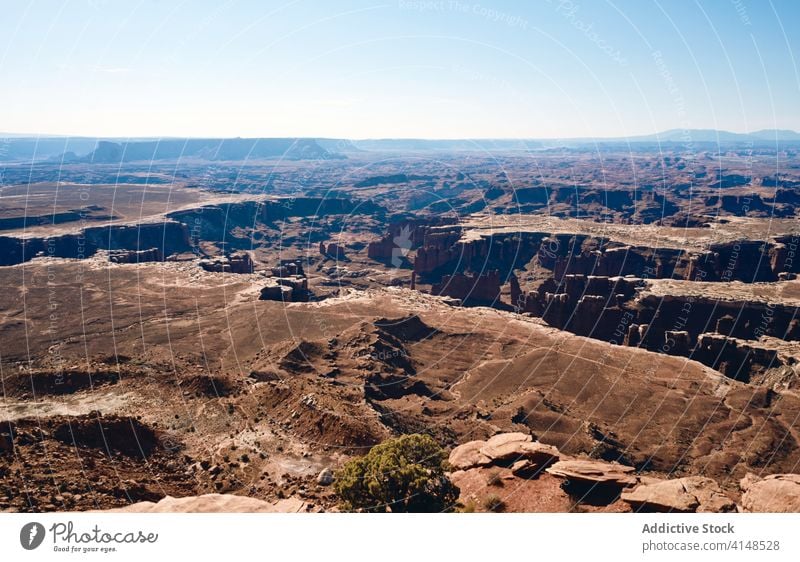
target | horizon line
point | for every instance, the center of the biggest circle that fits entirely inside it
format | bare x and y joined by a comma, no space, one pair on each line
20,135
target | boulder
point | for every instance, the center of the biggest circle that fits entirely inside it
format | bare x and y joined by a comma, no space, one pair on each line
325,477
510,451
505,449
503,445
685,495
778,493
468,456
594,472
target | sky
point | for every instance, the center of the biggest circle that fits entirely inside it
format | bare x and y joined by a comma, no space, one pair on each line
398,68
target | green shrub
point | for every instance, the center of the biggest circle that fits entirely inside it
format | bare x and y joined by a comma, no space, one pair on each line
405,474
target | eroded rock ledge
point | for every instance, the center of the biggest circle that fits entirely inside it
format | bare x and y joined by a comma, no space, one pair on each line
600,483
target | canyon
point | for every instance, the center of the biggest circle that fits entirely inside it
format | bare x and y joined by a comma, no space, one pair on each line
217,334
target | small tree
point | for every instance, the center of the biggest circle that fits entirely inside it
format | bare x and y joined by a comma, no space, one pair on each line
404,474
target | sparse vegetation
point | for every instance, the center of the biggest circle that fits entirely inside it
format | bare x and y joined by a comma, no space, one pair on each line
495,479
493,502
405,474
467,507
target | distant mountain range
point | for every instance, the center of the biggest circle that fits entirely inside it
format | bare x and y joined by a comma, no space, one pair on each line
110,151
687,138
713,135
20,147
445,145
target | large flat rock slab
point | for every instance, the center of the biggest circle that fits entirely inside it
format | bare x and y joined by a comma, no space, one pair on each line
468,456
684,495
504,449
594,472
778,493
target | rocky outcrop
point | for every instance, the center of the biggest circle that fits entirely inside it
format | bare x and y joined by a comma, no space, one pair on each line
297,283
470,288
168,236
468,456
739,205
232,224
287,268
395,245
135,256
523,455
594,472
516,450
237,262
444,253
241,262
683,495
647,205
446,250
777,493
276,292
440,247
724,334
588,305
332,250
505,445
735,358
593,482
381,250
229,225
516,455
401,237
288,283
677,342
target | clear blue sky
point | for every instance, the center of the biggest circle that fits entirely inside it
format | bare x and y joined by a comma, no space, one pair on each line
429,69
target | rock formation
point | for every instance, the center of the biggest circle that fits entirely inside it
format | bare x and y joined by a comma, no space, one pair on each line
236,262
527,458
135,256
288,268
469,288
594,472
776,493
332,250
277,292
468,456
682,495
